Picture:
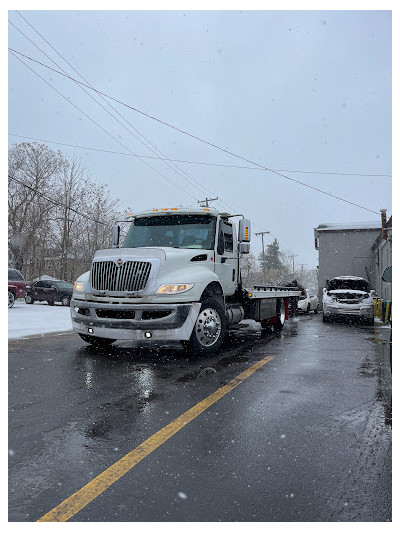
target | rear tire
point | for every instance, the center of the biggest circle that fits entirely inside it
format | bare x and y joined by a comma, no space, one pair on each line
280,315
96,341
209,330
11,299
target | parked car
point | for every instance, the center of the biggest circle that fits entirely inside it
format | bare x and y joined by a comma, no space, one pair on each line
307,302
16,286
49,291
348,296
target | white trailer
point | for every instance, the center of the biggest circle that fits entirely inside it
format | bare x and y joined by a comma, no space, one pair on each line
176,276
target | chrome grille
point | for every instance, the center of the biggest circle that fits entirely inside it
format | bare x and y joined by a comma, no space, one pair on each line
131,276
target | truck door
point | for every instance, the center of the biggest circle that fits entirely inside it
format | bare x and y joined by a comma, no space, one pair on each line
226,259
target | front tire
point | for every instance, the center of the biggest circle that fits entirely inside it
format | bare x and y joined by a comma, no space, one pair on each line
11,299
96,341
50,302
308,309
209,330
29,299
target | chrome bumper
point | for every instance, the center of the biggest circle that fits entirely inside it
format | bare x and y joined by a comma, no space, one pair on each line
134,322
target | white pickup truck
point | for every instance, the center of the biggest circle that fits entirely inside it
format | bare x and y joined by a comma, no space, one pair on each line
307,302
175,277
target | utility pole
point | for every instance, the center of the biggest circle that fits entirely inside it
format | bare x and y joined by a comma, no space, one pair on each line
293,256
301,273
262,233
201,202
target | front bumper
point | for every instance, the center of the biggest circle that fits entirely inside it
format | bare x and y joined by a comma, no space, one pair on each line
366,311
167,322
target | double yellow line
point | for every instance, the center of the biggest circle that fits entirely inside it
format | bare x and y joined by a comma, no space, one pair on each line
94,488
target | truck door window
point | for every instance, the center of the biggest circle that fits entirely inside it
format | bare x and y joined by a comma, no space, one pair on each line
228,237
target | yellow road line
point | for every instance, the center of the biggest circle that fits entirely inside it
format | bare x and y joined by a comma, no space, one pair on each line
99,484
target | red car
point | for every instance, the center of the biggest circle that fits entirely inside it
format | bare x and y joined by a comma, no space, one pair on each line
16,286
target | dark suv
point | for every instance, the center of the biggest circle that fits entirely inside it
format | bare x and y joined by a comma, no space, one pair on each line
49,291
16,286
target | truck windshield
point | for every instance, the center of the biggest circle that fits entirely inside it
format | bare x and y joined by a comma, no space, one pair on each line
177,231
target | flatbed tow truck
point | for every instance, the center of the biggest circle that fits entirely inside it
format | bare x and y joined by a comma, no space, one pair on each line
175,277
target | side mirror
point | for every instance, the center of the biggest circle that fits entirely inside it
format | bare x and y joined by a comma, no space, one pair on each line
244,247
244,230
115,236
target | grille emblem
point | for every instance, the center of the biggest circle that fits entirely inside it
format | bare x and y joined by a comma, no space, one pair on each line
119,262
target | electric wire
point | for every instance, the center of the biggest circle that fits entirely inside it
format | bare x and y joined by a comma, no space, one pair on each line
55,202
99,126
153,148
193,162
203,140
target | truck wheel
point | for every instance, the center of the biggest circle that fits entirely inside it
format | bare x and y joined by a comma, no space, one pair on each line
11,299
29,299
96,341
50,302
209,330
280,315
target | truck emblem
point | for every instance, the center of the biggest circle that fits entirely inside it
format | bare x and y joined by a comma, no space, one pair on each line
119,262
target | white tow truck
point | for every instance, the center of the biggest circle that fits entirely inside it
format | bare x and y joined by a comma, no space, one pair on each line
175,277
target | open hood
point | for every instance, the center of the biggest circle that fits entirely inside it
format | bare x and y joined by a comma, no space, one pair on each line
348,283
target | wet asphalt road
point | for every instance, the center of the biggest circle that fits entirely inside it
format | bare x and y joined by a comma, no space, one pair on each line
307,437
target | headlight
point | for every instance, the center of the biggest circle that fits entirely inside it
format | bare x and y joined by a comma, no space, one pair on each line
78,286
174,289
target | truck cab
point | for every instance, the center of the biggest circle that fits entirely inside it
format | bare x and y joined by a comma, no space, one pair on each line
173,266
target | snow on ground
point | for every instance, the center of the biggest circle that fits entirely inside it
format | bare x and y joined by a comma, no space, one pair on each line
37,319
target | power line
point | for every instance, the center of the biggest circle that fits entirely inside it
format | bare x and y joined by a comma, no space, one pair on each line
98,125
152,147
55,202
200,139
243,167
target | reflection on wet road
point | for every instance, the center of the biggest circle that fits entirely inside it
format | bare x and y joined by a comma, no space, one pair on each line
314,423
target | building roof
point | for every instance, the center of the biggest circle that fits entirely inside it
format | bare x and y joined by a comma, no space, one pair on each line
349,226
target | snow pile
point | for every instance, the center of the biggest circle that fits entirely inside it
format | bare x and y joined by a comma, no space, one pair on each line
37,319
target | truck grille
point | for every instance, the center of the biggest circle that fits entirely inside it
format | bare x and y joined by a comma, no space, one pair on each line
131,276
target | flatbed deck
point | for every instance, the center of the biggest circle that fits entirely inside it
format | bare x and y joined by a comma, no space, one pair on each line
272,291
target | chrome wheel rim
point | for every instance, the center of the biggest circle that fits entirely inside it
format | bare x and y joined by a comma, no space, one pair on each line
208,327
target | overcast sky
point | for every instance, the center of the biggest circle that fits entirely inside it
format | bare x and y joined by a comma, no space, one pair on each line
305,91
